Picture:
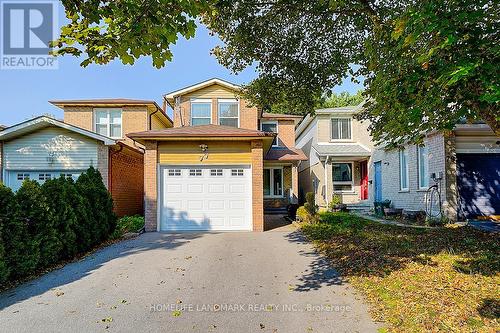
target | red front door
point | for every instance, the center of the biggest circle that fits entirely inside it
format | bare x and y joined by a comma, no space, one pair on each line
364,180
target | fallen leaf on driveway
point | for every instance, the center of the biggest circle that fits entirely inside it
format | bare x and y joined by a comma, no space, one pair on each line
176,313
188,257
59,293
124,301
262,326
107,320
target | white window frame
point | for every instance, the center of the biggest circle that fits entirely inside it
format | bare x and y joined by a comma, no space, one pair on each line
340,129
335,182
227,100
420,165
199,101
407,174
271,181
108,124
276,143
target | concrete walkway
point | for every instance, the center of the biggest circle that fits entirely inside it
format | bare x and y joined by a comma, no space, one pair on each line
192,282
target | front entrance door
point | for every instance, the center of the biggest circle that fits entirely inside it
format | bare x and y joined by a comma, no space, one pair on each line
364,180
378,181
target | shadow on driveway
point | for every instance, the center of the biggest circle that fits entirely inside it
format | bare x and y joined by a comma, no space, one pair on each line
320,272
77,270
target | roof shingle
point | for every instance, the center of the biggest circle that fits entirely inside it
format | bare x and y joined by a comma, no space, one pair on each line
285,154
200,131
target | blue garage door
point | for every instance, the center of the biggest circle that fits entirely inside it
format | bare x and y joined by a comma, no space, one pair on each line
478,181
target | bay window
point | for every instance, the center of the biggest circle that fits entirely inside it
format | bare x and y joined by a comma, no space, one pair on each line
201,112
228,111
108,122
273,182
342,174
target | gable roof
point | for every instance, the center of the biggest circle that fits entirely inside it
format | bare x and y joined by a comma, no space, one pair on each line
171,95
217,131
2,127
44,121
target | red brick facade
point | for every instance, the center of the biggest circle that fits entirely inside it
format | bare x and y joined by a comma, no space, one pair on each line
127,181
151,186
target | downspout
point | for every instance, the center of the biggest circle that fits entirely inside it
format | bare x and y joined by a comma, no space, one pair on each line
151,118
326,181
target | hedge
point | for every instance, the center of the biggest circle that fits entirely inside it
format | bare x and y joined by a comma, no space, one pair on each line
41,225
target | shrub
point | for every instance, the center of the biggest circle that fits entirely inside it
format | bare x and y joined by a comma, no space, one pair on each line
302,214
128,224
64,218
35,210
42,224
310,205
17,244
91,187
4,268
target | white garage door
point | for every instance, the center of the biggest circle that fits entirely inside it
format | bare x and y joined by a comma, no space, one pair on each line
14,179
206,198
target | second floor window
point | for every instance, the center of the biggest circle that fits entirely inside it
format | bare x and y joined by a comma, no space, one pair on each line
228,112
108,122
271,126
341,129
201,112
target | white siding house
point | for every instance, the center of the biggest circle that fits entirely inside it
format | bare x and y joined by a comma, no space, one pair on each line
44,148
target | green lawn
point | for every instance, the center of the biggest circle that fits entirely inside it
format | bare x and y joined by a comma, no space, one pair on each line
445,279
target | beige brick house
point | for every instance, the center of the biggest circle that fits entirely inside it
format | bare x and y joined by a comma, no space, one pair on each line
462,165
93,133
222,164
339,151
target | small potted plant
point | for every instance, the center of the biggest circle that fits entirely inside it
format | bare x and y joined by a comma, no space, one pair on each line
336,204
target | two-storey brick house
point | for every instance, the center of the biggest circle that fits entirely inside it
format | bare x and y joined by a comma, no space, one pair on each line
222,164
93,133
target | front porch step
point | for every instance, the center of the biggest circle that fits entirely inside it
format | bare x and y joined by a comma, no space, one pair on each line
272,211
359,207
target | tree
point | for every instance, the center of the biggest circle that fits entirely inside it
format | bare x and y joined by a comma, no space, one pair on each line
432,66
428,63
342,99
104,30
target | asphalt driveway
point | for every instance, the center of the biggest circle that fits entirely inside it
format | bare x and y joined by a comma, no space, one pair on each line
192,282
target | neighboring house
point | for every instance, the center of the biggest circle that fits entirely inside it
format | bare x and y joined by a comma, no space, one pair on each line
222,164
2,127
338,148
93,134
465,164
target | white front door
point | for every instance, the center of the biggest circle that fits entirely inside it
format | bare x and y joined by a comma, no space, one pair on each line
206,198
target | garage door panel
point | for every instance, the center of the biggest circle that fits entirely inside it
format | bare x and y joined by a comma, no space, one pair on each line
216,188
206,198
478,178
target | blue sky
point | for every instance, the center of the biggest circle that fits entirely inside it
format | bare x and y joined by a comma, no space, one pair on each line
24,93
